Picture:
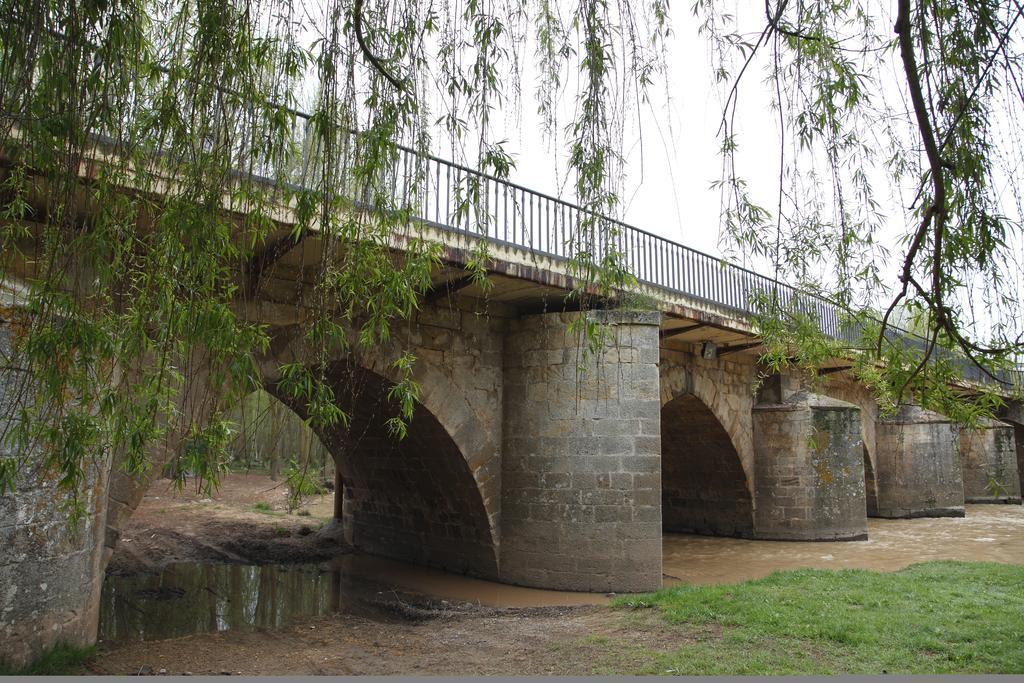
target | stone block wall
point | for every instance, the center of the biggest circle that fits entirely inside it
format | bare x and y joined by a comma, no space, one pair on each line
50,573
870,487
917,465
1013,415
989,460
581,468
724,384
1018,442
809,470
412,499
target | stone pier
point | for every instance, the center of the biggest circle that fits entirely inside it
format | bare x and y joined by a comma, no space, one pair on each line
918,470
809,469
50,571
989,461
581,468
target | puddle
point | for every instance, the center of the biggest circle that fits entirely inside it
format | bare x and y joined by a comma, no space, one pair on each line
189,598
192,598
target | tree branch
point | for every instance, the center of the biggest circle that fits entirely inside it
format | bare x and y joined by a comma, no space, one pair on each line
376,62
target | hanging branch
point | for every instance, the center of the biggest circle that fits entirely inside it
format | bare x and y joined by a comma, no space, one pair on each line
935,215
376,62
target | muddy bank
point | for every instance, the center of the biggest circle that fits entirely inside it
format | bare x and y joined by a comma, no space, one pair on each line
509,641
150,550
245,521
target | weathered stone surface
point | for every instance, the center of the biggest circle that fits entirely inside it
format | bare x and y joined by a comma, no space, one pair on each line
1018,441
917,471
1013,415
581,479
459,371
413,499
846,389
50,573
433,498
989,460
809,482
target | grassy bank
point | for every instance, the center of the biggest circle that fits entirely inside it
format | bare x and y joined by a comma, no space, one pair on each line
937,617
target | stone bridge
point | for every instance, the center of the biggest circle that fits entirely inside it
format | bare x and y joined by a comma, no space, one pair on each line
529,461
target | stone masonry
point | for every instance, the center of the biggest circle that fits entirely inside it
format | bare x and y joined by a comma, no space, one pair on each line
50,573
704,487
810,471
1013,415
581,468
918,465
707,448
412,499
989,462
849,390
532,462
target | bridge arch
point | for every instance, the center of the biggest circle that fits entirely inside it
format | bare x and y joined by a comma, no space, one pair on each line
705,488
455,417
412,499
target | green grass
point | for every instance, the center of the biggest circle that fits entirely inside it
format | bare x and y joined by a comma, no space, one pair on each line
62,660
936,617
263,507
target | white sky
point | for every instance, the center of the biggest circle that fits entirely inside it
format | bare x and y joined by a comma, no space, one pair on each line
672,146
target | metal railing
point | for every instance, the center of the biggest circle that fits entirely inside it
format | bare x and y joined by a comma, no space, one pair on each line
472,205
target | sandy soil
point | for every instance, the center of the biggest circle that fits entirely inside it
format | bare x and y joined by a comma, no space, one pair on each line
172,526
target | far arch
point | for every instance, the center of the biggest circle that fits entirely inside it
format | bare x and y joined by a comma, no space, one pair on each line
705,489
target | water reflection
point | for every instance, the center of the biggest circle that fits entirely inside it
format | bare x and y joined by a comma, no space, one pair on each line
200,598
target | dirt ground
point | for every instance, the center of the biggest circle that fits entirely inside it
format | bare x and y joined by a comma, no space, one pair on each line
403,634
478,641
171,526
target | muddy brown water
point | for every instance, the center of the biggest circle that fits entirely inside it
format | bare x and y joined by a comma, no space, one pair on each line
198,598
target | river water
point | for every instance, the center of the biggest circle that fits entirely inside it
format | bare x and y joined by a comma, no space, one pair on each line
199,598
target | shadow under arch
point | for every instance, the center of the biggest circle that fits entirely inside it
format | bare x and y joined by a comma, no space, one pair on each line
703,485
413,499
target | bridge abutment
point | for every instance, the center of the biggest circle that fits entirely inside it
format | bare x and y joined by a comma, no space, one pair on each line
917,471
989,460
581,468
50,571
809,470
